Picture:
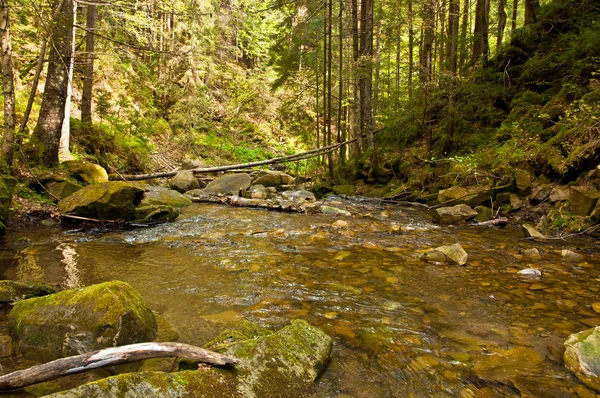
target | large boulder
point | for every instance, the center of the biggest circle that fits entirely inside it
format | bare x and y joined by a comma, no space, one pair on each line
184,181
582,200
454,214
90,172
228,184
62,189
523,182
114,200
274,179
7,186
472,196
76,321
280,364
159,196
582,356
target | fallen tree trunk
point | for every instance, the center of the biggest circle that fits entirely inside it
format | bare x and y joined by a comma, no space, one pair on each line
283,159
236,201
109,357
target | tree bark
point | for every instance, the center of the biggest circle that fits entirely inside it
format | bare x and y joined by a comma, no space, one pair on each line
411,45
513,24
109,357
377,63
46,134
340,129
463,36
356,120
427,41
481,48
501,23
88,76
329,85
8,86
65,132
531,9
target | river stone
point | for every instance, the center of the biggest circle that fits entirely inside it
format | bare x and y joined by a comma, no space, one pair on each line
300,195
335,211
228,184
570,255
90,172
531,232
11,291
472,196
347,189
156,213
532,253
113,200
160,196
582,356
453,253
515,202
530,272
523,182
81,320
503,365
288,360
559,194
257,192
540,194
274,179
62,189
484,213
190,164
503,198
184,181
454,214
582,200
7,186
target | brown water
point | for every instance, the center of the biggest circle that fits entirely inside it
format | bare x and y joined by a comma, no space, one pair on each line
402,327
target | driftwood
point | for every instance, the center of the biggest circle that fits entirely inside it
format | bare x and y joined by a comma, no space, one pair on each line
236,201
109,357
496,222
283,159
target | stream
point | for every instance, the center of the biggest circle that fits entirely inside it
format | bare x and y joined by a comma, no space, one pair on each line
401,327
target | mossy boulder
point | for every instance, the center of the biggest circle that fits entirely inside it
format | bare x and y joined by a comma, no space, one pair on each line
7,186
283,363
81,320
62,189
582,200
347,190
11,291
156,213
454,214
523,182
274,179
184,181
471,196
113,200
228,184
89,172
582,356
159,196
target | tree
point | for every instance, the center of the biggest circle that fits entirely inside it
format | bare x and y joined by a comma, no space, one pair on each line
88,76
8,138
46,135
481,48
531,9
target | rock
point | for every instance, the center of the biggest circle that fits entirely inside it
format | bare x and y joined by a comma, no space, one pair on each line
113,200
530,232
483,213
559,194
11,291
335,211
7,186
582,200
228,184
184,181
532,253
503,198
523,182
503,365
300,195
454,214
472,196
76,321
190,164
257,192
347,190
530,272
289,360
540,194
274,179
159,196
90,172
62,189
582,356
569,255
156,213
515,202
453,253
6,346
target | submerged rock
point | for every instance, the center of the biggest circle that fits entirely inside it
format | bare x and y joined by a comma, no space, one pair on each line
159,196
453,253
156,213
454,214
82,320
90,172
530,273
114,200
570,255
11,291
582,356
335,211
184,181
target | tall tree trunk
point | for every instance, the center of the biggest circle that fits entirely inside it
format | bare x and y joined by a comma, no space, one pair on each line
340,130
513,19
531,9
453,14
325,77
329,84
377,69
88,76
317,96
442,38
65,133
411,45
463,36
501,23
427,41
46,134
480,35
8,87
356,118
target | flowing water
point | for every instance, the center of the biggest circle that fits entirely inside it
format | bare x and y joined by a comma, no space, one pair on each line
402,327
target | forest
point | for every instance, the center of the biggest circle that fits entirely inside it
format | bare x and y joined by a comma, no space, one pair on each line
300,198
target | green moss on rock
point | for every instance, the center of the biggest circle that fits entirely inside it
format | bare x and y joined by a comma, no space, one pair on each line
82,320
11,291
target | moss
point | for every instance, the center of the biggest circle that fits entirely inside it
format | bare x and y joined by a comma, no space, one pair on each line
108,201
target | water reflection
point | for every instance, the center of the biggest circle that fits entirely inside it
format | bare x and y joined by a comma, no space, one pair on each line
72,278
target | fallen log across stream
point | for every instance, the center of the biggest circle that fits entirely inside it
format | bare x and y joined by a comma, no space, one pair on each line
110,357
282,159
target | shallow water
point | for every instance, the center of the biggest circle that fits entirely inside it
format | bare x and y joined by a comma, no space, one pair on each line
402,327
